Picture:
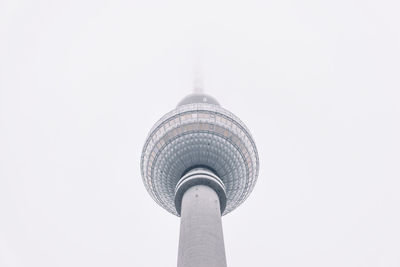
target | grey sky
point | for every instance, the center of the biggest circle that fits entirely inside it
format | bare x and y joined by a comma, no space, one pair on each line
317,83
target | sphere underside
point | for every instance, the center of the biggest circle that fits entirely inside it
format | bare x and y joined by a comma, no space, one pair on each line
199,134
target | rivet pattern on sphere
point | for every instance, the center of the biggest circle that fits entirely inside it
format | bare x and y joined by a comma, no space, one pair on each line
199,134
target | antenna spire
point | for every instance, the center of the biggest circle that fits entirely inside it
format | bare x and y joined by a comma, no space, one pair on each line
198,75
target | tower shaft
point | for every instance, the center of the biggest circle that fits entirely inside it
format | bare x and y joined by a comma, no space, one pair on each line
201,242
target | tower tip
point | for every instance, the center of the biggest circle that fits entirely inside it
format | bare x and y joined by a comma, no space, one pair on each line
198,73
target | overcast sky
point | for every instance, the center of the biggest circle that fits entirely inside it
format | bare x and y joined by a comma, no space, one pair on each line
316,82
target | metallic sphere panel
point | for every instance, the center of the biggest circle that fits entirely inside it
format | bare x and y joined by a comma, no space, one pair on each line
199,134
198,98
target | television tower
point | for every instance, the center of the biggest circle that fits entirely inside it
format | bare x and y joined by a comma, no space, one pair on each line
199,162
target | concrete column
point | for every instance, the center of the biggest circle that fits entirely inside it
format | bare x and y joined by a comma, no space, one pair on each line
201,242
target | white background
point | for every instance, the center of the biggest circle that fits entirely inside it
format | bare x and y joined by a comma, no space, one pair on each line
317,83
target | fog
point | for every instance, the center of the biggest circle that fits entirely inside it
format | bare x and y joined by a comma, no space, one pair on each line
316,82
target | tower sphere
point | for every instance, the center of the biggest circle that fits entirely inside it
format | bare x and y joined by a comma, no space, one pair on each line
199,133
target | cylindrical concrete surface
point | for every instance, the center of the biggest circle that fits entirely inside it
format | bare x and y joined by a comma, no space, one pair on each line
201,242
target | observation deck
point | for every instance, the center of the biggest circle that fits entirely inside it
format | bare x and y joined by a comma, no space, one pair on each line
199,133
